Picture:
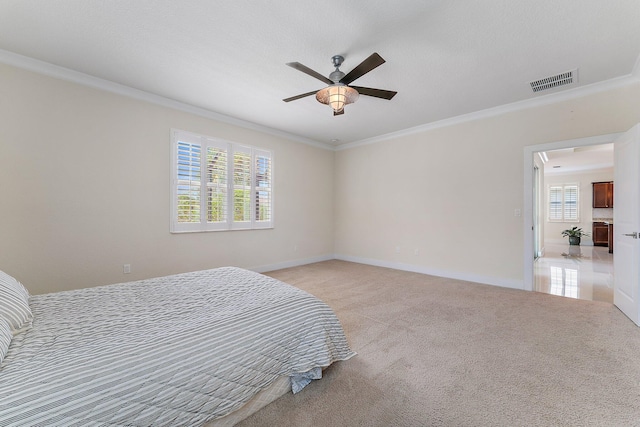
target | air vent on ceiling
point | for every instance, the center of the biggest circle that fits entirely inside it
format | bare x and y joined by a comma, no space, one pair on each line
561,79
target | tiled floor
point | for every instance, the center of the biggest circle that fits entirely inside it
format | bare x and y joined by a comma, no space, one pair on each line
583,272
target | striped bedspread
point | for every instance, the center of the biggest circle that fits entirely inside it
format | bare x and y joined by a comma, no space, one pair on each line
172,351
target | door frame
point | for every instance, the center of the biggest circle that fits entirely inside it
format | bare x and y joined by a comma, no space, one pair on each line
527,227
535,210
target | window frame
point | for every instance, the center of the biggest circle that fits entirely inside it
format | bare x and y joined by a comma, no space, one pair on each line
231,149
565,208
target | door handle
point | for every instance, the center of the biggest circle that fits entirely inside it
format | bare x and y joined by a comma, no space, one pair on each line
634,235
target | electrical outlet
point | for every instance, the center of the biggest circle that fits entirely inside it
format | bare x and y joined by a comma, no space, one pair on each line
126,269
416,252
397,249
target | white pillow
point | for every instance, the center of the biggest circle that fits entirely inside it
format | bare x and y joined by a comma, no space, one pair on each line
5,338
14,303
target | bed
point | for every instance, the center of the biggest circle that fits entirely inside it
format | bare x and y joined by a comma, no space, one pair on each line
190,349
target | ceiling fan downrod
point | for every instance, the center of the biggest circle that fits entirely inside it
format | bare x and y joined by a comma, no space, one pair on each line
337,75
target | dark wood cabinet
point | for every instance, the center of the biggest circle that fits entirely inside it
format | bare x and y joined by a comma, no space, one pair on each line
610,238
603,194
600,234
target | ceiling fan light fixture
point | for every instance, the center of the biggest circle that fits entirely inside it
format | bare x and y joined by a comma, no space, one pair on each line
337,96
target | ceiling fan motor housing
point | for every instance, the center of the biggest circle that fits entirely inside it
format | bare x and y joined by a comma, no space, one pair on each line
337,75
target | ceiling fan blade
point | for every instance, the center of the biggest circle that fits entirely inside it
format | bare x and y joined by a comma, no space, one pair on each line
337,113
373,61
378,93
302,95
298,66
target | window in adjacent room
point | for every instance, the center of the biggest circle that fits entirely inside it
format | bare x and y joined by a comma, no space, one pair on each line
219,185
563,203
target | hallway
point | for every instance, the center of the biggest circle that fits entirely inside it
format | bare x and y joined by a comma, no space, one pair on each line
581,272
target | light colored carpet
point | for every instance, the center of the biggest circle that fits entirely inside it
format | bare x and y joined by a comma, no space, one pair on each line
441,352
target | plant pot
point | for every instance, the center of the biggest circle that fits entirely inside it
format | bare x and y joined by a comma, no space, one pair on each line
574,240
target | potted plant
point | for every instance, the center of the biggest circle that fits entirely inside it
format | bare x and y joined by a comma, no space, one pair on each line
574,234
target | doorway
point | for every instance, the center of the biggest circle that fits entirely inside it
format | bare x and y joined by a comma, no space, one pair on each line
529,229
537,231
564,198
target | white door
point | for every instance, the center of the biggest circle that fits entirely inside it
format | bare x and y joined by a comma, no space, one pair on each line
626,223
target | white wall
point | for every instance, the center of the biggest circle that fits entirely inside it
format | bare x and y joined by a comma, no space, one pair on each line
451,192
84,188
553,230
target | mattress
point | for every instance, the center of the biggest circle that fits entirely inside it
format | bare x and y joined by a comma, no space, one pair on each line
179,350
277,389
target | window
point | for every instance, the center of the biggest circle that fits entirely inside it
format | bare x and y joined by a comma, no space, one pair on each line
563,203
219,185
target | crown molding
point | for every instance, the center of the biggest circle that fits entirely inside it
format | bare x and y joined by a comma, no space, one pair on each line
61,73
552,98
77,77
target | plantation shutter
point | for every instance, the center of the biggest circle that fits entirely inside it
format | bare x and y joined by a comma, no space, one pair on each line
188,182
241,187
187,195
571,203
555,203
263,188
200,184
563,203
219,185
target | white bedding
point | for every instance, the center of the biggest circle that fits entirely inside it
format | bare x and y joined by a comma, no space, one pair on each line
173,351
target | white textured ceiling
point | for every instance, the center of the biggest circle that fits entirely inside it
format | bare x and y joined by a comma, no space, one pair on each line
444,58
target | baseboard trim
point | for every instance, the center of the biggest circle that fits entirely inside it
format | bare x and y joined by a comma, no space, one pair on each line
485,280
494,281
292,263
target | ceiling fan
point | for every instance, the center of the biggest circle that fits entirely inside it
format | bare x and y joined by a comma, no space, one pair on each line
339,93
